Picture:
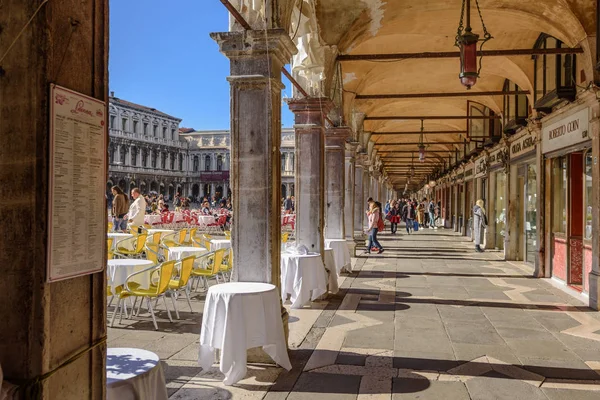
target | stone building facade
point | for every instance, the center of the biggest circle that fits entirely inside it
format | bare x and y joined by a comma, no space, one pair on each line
148,149
145,149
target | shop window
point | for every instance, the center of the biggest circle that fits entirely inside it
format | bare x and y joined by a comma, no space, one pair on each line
588,194
554,75
516,108
500,210
559,195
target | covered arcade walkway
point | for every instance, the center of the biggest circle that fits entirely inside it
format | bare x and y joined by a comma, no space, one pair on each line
427,319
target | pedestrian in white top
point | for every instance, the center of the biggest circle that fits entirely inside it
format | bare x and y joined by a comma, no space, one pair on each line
137,210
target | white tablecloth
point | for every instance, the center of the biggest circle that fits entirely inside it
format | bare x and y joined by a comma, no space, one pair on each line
332,273
204,220
152,219
178,253
341,254
216,244
119,269
117,236
239,316
133,374
301,275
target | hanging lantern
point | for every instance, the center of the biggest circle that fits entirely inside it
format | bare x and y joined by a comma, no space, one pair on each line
467,41
422,144
422,153
432,183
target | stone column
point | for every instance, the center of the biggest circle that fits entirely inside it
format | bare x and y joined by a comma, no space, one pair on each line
310,179
358,193
255,78
594,275
367,185
45,324
335,140
349,197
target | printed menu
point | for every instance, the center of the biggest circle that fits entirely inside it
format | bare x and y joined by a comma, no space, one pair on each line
77,214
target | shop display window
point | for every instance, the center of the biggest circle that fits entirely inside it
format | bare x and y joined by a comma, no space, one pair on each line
588,195
500,210
531,214
559,195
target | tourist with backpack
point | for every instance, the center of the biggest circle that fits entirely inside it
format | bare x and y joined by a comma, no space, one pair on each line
375,223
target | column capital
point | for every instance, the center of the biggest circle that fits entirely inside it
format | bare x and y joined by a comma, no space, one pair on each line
350,148
256,44
335,137
310,110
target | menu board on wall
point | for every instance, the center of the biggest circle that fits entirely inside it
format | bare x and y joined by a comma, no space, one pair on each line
76,208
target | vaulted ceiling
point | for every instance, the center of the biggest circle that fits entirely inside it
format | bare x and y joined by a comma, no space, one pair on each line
361,27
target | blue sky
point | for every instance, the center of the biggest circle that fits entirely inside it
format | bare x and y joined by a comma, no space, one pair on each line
161,56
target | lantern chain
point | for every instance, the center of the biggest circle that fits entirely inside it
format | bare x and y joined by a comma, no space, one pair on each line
486,34
459,32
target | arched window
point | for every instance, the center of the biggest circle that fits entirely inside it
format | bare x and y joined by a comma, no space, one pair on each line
144,158
207,163
196,163
172,158
154,156
283,158
554,75
134,153
479,129
516,108
122,155
163,160
181,162
220,163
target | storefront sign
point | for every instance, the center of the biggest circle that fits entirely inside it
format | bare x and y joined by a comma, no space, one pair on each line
481,167
566,132
522,144
469,172
76,208
495,159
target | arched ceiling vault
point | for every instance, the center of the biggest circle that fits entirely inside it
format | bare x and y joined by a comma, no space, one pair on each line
400,26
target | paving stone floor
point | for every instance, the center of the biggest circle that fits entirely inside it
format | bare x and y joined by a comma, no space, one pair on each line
427,319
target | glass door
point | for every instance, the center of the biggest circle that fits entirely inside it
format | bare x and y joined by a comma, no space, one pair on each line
531,215
520,217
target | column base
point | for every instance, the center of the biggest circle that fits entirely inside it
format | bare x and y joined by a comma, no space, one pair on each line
594,278
359,243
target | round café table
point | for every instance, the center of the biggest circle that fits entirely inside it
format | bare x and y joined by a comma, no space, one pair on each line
303,277
181,252
116,236
216,244
341,254
120,268
133,374
239,316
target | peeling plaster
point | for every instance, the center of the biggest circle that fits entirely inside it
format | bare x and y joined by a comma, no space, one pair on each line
376,13
349,77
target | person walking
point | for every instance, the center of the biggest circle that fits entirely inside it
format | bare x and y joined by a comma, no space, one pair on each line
408,215
120,205
137,210
479,223
394,217
431,209
420,214
374,215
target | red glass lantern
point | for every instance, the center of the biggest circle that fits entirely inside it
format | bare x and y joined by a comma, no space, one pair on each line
467,42
469,73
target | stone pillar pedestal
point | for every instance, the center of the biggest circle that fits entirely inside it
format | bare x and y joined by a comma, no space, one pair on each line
309,160
335,139
255,78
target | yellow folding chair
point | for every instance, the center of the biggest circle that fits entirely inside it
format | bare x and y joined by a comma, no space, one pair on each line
131,289
210,265
132,247
180,284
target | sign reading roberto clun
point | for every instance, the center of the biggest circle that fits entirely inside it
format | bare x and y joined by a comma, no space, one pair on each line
566,132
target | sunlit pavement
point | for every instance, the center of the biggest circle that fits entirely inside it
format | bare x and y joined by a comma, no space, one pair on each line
428,319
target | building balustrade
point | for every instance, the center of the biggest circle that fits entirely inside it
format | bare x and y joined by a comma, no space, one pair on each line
147,138
132,169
